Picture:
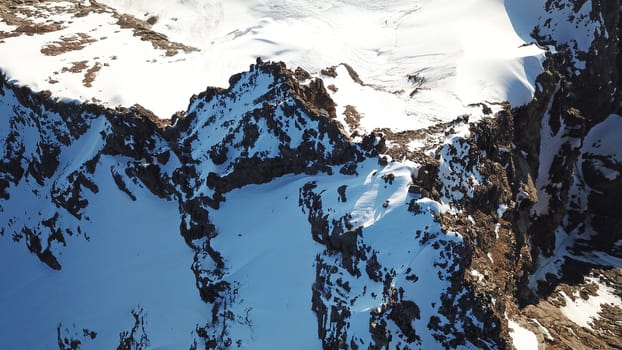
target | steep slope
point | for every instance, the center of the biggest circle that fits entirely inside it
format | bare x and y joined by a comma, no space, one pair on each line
358,282
317,213
573,158
272,122
572,217
72,195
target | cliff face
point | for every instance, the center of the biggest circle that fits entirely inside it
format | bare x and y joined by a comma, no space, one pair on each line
482,232
581,90
578,99
568,135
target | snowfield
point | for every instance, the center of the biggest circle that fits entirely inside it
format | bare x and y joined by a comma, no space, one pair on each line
460,53
134,259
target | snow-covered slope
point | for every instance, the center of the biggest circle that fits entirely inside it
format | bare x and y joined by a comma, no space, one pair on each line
385,197
124,264
437,57
108,218
323,236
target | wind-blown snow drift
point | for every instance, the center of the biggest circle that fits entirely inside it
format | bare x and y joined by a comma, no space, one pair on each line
461,53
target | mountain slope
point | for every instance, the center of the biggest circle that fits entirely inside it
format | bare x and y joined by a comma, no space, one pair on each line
61,170
129,154
297,209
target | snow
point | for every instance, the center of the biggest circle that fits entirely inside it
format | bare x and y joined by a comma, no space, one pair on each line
522,338
82,149
378,109
134,258
600,141
385,232
459,180
4,27
125,78
474,55
524,15
266,249
602,138
273,244
494,66
226,116
500,211
120,255
542,329
415,145
550,144
566,31
477,274
584,311
576,30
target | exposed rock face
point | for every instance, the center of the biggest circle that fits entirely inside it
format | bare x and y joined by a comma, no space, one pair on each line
579,91
505,218
268,125
264,126
572,217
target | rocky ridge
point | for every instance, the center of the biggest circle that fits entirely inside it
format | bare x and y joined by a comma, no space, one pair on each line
511,213
282,124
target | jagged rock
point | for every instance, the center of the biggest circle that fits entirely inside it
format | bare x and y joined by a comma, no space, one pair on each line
486,208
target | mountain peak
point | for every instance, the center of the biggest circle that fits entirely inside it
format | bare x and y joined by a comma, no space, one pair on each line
455,190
